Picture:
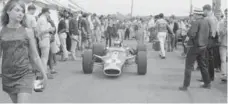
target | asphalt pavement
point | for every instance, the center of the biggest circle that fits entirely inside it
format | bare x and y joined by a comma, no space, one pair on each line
159,85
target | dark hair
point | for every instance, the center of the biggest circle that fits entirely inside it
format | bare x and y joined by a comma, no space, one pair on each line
207,7
32,7
161,15
8,7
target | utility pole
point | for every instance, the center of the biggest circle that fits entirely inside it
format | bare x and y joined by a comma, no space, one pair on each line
132,3
191,7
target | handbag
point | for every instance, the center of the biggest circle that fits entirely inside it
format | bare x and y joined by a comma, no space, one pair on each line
156,45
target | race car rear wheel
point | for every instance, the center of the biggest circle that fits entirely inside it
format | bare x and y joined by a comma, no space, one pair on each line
141,47
98,49
87,62
141,62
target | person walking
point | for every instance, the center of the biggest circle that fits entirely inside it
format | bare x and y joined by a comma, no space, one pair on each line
162,29
19,51
198,40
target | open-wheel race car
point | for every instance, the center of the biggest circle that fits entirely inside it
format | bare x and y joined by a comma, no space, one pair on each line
114,59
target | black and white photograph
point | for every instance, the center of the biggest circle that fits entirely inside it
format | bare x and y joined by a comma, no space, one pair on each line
113,51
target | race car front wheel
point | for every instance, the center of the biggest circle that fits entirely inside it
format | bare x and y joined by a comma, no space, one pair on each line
87,62
98,49
141,47
142,62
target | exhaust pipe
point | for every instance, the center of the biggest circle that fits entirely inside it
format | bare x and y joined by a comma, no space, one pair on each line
112,72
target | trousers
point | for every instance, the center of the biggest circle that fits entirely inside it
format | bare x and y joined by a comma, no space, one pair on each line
196,54
162,38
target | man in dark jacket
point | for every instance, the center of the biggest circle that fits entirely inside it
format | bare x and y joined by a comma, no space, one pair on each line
198,40
175,27
85,32
111,33
74,33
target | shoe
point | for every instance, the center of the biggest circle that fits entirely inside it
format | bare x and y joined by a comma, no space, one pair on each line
200,80
50,76
65,59
183,88
163,57
224,79
206,86
53,71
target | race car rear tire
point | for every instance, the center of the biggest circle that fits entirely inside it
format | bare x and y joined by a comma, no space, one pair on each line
87,62
98,49
141,47
142,62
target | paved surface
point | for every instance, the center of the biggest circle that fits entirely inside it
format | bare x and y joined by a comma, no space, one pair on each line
159,85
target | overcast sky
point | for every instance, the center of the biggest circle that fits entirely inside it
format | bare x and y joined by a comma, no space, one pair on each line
143,7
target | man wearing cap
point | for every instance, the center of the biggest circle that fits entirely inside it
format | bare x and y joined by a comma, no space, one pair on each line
198,40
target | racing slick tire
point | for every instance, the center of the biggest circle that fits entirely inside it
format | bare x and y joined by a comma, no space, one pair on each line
87,62
98,49
141,47
141,62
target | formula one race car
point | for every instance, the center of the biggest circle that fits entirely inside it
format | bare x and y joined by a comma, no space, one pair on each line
114,58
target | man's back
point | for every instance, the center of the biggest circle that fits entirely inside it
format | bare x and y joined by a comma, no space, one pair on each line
204,31
199,33
161,25
212,20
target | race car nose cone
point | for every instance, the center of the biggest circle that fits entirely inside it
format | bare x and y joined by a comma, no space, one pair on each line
112,72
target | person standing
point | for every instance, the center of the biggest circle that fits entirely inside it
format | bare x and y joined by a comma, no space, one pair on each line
63,36
19,51
198,40
174,27
108,34
44,28
74,33
68,39
53,46
212,20
85,32
223,47
151,29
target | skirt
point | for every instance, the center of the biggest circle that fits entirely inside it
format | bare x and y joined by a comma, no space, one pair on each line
22,85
